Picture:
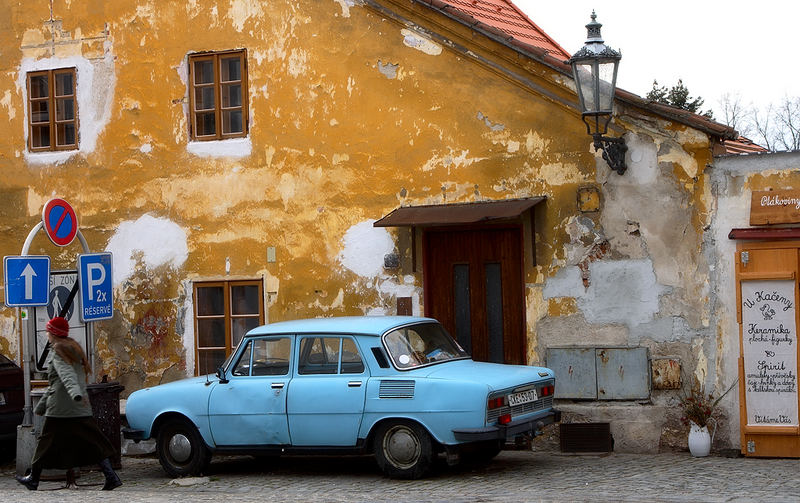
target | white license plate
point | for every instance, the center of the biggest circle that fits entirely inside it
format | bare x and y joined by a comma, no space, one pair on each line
522,397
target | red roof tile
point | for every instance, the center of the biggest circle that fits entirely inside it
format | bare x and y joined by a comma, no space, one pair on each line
742,145
508,18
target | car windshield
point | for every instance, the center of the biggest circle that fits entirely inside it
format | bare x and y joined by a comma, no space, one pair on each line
423,344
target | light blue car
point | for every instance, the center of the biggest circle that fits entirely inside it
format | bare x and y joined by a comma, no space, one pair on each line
398,387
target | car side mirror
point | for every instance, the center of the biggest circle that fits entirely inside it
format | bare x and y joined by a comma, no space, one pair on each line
221,375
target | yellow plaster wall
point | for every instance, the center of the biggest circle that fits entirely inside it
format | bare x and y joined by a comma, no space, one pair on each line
348,120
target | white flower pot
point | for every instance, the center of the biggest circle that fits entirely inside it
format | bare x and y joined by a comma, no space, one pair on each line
699,441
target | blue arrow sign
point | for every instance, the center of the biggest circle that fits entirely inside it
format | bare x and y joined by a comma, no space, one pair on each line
27,280
94,276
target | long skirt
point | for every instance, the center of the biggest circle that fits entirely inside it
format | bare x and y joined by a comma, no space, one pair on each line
69,442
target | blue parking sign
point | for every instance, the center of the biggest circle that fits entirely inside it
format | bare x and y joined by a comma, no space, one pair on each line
94,276
27,280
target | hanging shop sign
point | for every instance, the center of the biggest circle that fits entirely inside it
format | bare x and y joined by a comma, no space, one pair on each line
775,207
769,344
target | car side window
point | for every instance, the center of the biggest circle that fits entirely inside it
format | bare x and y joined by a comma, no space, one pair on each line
329,355
264,357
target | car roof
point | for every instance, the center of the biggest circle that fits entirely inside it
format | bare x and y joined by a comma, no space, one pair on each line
364,325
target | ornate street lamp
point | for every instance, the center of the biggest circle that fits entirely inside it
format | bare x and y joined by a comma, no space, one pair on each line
594,67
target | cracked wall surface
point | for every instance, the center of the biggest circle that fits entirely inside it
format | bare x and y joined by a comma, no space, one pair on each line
351,114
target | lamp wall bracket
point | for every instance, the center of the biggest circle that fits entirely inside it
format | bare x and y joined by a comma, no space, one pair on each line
613,151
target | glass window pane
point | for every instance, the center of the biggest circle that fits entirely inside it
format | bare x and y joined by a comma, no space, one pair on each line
494,311
64,84
40,111
232,122
230,69
244,299
65,134
204,72
319,355
211,332
40,136
39,87
206,124
208,360
210,301
241,326
65,109
231,95
271,357
462,312
204,98
242,367
351,360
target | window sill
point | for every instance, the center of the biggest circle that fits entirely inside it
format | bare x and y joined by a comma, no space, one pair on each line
233,147
50,156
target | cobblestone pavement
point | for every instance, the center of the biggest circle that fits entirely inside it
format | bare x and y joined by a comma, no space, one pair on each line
512,476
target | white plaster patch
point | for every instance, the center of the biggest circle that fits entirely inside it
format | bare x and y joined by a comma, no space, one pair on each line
95,83
345,5
566,283
160,240
234,147
242,10
389,70
416,41
364,247
298,62
621,291
146,148
6,102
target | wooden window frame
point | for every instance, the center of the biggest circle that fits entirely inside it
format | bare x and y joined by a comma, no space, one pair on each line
227,314
52,101
218,109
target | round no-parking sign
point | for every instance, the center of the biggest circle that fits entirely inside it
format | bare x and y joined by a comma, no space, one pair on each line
60,222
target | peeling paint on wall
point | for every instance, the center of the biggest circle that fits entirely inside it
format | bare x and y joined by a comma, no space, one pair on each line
389,70
363,249
160,241
421,43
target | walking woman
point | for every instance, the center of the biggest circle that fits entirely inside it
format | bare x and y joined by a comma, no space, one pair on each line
70,436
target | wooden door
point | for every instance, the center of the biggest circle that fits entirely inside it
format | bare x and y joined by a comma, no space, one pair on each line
474,285
767,295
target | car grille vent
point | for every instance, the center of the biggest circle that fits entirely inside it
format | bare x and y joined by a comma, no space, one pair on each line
518,410
396,389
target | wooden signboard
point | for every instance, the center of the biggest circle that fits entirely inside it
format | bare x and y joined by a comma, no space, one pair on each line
775,207
767,294
769,348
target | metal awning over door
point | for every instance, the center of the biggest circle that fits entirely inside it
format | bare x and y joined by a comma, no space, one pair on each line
458,213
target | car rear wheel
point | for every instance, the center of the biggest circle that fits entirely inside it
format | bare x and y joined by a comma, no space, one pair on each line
181,449
403,449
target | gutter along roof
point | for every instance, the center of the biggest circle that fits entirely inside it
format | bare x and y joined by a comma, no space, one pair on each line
504,22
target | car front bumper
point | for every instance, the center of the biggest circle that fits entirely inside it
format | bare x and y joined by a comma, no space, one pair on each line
527,426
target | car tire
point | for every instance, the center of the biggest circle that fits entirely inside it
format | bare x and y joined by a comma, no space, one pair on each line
181,450
403,449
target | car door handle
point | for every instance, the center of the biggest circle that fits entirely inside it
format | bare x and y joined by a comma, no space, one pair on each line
277,385
354,384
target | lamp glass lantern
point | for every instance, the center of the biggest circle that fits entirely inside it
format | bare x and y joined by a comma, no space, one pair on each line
594,68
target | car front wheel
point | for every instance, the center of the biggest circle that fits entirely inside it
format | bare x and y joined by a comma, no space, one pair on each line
403,450
181,449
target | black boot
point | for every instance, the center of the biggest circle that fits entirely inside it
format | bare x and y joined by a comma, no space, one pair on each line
31,480
112,479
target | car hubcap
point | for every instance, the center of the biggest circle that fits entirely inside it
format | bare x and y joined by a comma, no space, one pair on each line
180,448
401,446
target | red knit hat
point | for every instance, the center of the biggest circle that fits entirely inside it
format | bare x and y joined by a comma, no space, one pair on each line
58,326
